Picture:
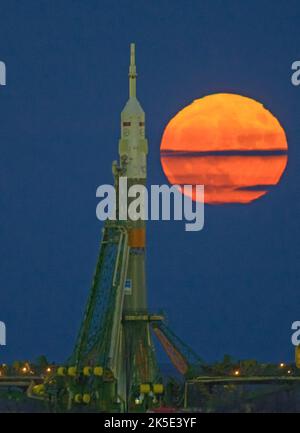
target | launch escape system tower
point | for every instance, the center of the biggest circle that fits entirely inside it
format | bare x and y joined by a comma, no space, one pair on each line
113,366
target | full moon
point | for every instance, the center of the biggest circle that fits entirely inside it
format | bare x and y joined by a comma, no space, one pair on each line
229,143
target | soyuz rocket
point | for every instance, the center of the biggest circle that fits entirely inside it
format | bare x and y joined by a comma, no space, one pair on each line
133,149
136,360
115,333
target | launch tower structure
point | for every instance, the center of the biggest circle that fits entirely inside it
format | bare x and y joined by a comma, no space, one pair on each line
113,366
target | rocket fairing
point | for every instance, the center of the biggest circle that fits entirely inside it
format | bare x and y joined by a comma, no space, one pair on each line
133,146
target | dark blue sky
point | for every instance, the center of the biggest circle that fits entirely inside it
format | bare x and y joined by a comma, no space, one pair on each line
231,288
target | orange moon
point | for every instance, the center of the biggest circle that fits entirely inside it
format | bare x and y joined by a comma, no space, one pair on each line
229,143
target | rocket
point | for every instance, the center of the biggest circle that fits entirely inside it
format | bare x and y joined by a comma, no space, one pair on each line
137,362
133,149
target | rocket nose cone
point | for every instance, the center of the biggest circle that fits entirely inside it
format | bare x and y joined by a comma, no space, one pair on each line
133,108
